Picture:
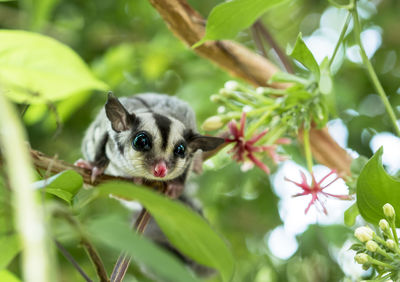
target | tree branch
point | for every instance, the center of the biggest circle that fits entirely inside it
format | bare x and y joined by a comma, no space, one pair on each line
188,25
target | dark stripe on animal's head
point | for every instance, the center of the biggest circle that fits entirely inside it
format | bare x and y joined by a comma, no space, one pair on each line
164,125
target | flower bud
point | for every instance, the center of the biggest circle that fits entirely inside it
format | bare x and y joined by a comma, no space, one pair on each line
390,244
215,98
260,90
361,258
231,85
388,211
212,123
365,267
371,246
364,233
384,225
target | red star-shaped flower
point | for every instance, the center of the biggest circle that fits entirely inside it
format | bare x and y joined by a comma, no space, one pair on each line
246,148
316,189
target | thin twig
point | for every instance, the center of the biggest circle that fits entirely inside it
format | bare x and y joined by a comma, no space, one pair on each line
71,259
96,259
274,45
59,123
257,40
124,259
89,248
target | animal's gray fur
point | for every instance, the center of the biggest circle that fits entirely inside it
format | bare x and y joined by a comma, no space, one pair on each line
103,146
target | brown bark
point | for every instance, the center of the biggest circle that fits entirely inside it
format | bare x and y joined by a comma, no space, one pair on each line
188,25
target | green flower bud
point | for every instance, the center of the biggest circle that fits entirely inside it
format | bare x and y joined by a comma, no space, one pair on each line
388,211
212,123
384,225
390,244
371,246
361,258
364,233
365,267
231,85
215,98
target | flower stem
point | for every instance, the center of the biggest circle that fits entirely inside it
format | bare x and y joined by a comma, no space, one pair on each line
307,149
374,78
341,36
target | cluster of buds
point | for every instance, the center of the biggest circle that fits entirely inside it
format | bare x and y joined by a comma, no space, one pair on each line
242,103
380,250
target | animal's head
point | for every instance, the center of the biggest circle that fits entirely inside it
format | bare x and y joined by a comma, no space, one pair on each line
154,146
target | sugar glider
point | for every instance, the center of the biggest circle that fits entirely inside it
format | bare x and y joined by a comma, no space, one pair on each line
147,136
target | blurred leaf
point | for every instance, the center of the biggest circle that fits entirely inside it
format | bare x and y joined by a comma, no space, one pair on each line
35,68
83,197
7,276
228,18
301,53
185,229
350,215
375,187
38,11
63,185
325,81
116,234
358,164
287,77
10,247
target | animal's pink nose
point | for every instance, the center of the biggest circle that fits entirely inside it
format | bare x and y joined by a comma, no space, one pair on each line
160,170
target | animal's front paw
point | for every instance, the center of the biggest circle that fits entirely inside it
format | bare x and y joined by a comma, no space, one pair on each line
96,171
174,190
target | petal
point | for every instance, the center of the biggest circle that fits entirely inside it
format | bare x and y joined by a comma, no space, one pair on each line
258,163
257,137
326,176
233,128
283,141
242,124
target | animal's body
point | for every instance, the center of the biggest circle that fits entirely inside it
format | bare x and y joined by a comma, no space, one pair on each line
147,136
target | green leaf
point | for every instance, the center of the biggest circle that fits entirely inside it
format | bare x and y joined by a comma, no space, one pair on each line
7,276
83,197
185,229
287,77
375,188
116,234
325,81
63,185
301,53
350,215
228,18
35,68
10,247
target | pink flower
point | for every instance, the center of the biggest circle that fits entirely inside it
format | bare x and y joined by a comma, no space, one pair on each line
316,189
246,148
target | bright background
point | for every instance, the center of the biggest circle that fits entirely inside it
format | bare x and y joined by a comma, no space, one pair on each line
128,46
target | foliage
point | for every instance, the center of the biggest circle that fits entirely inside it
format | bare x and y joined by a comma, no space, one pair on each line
375,188
58,53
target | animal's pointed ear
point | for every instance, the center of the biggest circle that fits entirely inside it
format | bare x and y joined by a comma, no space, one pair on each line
205,143
119,117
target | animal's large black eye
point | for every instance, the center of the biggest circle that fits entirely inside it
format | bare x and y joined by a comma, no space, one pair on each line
141,142
180,150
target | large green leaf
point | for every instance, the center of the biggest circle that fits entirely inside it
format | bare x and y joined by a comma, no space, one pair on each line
63,185
186,230
116,234
7,276
10,247
301,53
35,68
228,18
375,188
